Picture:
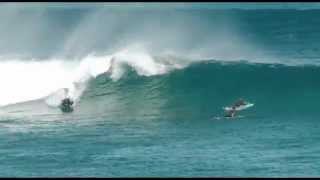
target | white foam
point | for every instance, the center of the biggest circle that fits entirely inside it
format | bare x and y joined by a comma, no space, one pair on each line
23,81
142,63
29,80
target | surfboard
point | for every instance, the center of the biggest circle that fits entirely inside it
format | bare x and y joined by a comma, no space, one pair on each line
242,107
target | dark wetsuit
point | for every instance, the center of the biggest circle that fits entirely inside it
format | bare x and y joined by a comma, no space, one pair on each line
230,113
67,102
239,103
66,105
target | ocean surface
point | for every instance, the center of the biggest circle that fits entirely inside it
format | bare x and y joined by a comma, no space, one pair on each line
148,83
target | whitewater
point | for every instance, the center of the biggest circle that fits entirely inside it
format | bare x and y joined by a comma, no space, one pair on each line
36,79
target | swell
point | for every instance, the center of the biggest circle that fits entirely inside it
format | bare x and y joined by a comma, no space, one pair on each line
203,88
198,90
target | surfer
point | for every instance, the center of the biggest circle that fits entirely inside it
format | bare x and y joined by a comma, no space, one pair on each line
238,103
232,111
66,103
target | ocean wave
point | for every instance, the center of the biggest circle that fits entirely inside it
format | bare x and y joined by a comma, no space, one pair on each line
166,85
30,80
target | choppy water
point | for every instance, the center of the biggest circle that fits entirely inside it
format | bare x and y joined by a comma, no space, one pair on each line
147,85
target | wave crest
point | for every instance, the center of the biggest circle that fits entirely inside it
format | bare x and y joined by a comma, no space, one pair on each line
30,80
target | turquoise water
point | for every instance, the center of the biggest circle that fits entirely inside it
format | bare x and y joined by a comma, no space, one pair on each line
152,113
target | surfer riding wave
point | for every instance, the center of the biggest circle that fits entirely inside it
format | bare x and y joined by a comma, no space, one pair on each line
66,103
232,112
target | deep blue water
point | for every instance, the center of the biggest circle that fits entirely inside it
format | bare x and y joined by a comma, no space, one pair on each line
138,121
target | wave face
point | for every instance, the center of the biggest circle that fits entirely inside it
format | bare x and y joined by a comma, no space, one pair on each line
202,89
